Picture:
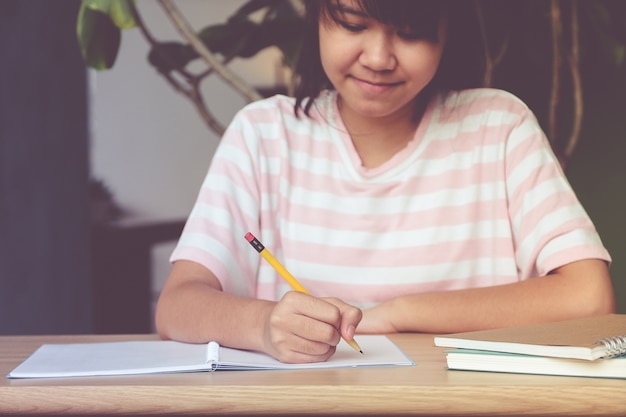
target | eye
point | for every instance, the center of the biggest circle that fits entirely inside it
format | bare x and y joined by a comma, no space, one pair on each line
416,36
410,36
351,27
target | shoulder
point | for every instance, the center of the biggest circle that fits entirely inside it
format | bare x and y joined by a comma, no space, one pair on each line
486,107
483,99
263,118
267,108
281,108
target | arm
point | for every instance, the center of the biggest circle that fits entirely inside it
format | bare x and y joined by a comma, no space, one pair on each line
299,328
577,289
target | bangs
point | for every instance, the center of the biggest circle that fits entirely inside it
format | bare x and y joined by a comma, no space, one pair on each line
416,16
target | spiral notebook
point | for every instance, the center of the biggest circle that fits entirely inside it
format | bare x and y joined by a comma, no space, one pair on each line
588,339
161,356
482,360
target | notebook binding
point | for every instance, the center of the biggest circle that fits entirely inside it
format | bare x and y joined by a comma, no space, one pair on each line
615,345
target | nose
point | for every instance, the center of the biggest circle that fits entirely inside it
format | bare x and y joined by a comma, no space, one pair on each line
378,52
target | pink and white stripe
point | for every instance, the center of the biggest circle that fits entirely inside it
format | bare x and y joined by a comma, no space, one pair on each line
476,199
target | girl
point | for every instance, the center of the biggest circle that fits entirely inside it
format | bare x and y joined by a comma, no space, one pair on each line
400,197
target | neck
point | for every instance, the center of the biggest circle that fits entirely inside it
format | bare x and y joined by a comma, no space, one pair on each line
377,140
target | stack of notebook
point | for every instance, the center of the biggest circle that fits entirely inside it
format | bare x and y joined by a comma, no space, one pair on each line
590,347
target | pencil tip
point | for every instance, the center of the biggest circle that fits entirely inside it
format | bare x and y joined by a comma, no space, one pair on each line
361,352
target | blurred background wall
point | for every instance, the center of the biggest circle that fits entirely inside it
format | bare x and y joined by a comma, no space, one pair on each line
148,143
45,284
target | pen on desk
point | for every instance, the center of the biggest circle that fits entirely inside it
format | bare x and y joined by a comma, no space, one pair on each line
282,271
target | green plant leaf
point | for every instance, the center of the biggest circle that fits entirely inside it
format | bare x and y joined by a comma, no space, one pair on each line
231,39
120,11
102,6
98,37
122,14
167,56
244,38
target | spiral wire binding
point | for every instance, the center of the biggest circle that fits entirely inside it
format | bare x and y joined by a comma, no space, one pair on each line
615,346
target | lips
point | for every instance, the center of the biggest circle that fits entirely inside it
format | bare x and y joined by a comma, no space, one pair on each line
375,87
377,83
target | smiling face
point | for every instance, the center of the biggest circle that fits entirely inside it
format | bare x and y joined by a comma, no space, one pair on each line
377,69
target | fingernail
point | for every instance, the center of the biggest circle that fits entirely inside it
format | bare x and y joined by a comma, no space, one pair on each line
351,331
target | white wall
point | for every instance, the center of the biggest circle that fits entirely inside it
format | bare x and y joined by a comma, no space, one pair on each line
148,144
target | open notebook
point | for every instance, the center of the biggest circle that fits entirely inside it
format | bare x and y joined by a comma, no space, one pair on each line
159,356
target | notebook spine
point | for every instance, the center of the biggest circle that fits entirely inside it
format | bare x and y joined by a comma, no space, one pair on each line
615,346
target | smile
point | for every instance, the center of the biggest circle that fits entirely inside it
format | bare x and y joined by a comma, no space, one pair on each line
375,87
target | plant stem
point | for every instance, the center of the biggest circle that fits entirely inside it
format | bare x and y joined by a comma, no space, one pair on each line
185,29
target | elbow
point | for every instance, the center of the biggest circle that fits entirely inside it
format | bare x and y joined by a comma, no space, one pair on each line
593,304
590,287
600,297
160,321
607,305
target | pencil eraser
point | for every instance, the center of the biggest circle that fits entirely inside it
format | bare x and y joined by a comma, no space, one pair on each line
249,237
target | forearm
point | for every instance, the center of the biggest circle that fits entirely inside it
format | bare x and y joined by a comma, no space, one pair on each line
579,289
197,313
531,301
299,328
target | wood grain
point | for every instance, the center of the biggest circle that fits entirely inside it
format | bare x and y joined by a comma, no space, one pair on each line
425,389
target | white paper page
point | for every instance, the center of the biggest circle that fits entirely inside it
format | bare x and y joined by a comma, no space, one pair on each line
144,357
115,358
377,351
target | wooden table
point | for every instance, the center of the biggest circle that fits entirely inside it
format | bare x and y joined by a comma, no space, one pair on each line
425,389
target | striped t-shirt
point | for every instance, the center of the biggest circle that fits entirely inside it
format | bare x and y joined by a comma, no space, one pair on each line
476,199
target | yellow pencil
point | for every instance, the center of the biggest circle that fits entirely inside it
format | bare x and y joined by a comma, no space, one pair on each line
282,271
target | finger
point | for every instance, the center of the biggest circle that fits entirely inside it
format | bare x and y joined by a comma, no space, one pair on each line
291,331
315,319
350,317
298,356
288,346
317,308
315,336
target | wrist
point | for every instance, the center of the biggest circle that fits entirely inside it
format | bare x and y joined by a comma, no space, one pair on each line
380,319
260,332
400,313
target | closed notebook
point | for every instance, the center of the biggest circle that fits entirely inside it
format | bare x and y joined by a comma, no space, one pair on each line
589,338
159,356
481,360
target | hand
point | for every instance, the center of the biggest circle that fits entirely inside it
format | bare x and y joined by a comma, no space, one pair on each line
350,317
302,328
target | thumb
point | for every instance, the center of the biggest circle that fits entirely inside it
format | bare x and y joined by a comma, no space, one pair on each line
350,319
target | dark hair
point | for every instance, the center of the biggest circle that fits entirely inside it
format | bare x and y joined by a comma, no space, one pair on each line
462,61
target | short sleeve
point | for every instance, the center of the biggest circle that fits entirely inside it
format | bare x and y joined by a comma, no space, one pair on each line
226,208
550,226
